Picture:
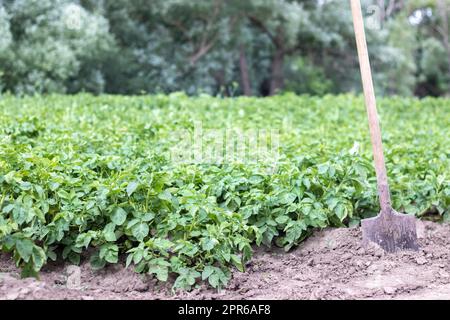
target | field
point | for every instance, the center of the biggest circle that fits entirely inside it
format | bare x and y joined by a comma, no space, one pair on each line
331,264
113,179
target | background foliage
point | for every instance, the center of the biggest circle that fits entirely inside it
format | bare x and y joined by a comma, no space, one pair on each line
254,47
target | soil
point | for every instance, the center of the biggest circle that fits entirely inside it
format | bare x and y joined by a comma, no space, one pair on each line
331,264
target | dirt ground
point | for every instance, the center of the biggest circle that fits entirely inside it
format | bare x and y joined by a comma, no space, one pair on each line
329,265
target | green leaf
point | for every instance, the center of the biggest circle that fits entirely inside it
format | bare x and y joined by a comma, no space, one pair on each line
214,280
119,216
74,258
340,211
288,198
129,260
8,208
354,222
147,217
162,244
215,276
132,223
332,202
137,257
108,232
66,251
40,191
54,186
187,278
39,257
323,168
165,195
161,272
83,240
207,272
51,255
140,231
19,214
25,186
237,261
28,270
97,262
256,179
132,186
109,252
226,256
24,248
446,217
306,183
208,244
282,219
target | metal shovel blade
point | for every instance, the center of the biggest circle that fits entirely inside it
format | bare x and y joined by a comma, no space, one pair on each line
392,231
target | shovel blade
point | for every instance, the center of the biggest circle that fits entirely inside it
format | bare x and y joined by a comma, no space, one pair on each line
391,231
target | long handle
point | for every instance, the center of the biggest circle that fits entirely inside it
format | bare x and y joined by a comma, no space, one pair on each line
369,94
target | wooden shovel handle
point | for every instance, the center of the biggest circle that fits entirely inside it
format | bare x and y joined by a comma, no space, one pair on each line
369,94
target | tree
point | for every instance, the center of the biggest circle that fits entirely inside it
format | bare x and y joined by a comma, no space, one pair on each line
5,39
211,46
444,31
433,59
169,45
52,44
281,22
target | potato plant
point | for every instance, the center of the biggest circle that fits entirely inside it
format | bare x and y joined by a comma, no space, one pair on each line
84,177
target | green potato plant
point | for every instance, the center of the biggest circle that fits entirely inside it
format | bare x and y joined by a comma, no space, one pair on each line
93,177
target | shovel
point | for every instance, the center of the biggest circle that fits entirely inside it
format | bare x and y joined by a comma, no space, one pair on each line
390,230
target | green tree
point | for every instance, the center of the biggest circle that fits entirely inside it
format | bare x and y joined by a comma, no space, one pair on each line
5,40
54,43
281,22
210,46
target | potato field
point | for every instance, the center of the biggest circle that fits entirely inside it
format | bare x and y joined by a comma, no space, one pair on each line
185,189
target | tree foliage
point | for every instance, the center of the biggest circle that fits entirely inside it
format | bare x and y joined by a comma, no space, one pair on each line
55,46
254,47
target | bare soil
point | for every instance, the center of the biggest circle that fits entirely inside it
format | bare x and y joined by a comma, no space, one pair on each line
331,264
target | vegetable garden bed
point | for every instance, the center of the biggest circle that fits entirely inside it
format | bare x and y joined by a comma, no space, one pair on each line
83,174
329,265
